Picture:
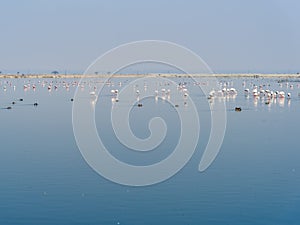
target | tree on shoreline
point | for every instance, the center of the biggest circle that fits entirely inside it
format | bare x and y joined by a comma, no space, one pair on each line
55,72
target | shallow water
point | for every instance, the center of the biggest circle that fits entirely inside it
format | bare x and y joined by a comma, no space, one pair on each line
255,179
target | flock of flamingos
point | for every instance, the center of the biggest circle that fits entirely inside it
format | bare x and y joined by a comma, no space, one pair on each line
225,89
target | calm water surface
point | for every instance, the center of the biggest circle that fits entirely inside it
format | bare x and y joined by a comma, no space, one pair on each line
44,179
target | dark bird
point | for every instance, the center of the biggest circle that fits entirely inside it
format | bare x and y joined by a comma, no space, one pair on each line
238,109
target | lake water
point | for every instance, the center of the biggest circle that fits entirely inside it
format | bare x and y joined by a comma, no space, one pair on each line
255,179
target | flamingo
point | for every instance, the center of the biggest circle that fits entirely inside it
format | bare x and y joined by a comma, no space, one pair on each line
246,91
281,94
232,91
211,94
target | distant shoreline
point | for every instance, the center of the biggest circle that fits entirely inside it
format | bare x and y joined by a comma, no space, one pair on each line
78,76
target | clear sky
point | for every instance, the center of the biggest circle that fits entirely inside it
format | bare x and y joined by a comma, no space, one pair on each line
230,35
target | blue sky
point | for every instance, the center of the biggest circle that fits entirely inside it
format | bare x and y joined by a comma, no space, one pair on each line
230,35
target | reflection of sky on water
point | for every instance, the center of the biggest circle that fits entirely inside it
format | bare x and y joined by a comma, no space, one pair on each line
44,178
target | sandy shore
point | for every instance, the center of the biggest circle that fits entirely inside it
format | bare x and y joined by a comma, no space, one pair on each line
78,76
